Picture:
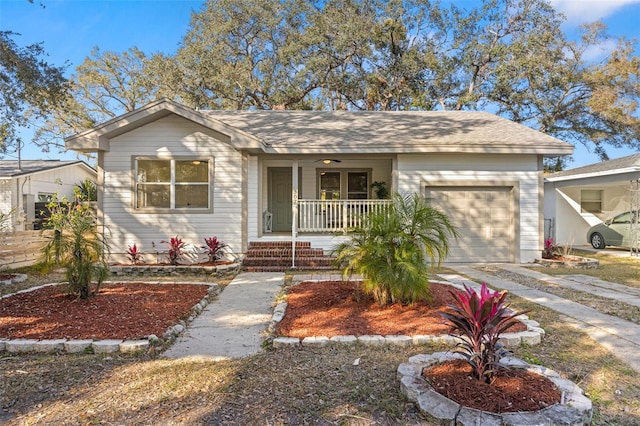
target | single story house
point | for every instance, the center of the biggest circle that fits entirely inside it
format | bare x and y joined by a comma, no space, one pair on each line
577,199
26,182
247,176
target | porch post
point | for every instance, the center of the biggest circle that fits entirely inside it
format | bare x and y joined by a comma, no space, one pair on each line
294,210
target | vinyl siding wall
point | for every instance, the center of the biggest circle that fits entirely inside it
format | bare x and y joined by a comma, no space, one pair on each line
166,138
415,171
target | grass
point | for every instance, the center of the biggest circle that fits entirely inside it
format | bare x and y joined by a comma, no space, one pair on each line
621,270
315,386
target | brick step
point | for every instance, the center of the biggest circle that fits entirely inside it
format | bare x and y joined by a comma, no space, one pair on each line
284,252
271,261
275,244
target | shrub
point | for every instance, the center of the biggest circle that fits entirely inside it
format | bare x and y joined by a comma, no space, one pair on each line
480,319
77,246
214,248
550,249
134,254
175,249
395,249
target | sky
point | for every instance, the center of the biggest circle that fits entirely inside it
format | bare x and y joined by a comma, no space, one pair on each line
69,29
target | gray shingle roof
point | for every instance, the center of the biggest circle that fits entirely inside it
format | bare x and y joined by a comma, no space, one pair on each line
374,131
9,168
603,167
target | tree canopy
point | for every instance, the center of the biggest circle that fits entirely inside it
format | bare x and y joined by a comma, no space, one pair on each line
29,87
510,57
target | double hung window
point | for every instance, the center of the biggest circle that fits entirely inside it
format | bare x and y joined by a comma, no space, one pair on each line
173,184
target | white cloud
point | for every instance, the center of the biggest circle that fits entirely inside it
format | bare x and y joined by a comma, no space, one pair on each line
579,11
600,50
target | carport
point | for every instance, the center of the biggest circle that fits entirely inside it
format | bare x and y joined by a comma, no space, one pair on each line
577,199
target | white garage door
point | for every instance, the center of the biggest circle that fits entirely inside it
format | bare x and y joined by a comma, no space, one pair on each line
483,217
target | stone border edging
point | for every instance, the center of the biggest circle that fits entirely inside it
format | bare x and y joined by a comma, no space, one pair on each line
576,262
107,345
167,270
532,336
575,409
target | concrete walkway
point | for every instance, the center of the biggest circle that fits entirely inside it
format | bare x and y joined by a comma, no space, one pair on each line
621,337
232,326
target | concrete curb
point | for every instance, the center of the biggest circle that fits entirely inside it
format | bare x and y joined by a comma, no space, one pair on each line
18,346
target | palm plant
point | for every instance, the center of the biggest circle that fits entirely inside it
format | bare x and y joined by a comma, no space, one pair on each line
396,248
77,246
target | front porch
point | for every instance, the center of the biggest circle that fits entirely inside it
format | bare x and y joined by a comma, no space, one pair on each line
320,196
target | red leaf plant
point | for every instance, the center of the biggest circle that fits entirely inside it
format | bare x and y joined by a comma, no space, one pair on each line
550,249
478,320
175,249
214,248
134,254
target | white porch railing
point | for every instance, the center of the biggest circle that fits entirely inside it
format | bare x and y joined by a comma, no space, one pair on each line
335,215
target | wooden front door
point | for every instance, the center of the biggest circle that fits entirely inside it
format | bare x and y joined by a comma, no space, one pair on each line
280,198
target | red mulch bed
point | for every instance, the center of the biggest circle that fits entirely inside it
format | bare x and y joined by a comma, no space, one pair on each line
512,390
119,311
339,308
335,308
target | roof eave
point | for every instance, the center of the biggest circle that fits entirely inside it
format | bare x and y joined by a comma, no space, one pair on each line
98,138
431,149
635,169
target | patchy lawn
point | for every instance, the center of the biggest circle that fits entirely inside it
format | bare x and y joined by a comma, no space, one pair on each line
319,386
621,270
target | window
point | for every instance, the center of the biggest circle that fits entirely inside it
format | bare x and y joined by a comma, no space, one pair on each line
329,185
44,197
591,201
624,218
173,184
357,186
343,184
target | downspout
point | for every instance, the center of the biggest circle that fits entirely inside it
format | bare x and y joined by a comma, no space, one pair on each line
294,210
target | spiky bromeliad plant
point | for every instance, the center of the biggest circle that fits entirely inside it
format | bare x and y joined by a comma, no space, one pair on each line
396,248
77,246
479,320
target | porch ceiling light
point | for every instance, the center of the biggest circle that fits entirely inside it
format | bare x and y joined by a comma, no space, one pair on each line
326,161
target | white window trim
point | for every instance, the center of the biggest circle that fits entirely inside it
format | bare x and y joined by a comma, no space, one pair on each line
172,209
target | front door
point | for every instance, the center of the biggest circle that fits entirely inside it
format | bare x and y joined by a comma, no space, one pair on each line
280,198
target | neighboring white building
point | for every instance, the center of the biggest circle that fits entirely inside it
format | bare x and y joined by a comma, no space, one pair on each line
577,199
29,181
167,170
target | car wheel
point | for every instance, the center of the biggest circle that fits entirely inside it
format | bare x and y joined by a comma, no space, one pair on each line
597,241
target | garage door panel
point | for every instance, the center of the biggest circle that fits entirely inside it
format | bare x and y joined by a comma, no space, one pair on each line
499,213
482,217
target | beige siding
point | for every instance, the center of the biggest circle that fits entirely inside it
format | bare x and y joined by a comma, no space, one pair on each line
171,137
60,181
416,171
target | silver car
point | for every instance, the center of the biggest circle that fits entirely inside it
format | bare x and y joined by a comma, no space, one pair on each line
615,231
